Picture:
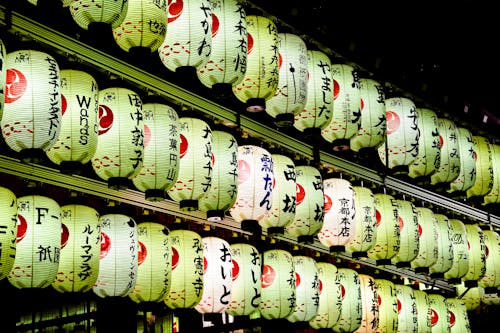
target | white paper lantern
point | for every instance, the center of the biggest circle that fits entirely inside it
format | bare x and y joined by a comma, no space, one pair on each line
490,281
449,165
408,233
387,306
407,309
477,255
460,265
87,12
484,167
351,308
459,319
467,175
428,240
369,305
493,196
3,68
423,306
8,225
444,248
470,295
440,318
330,297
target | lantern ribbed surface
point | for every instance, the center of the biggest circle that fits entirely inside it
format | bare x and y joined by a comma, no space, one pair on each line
467,175
484,167
491,278
477,253
85,12
440,318
427,243
470,295
406,305
351,308
369,304
330,297
387,307
408,233
493,196
449,165
423,307
460,265
444,248
3,68
8,225
364,221
459,319
306,289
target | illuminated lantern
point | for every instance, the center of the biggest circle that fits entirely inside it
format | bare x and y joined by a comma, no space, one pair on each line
460,265
80,249
186,288
217,276
387,306
154,270
31,120
408,233
306,289
369,304
427,241
387,237
470,295
459,319
444,248
423,307
8,225
282,211
224,187
491,298
351,308
262,74
291,93
330,297
346,117
227,63
160,165
484,167
89,13
195,165
449,165
493,196
77,140
491,278
338,223
477,255
3,59
246,285
467,174
118,260
255,186
318,109
364,222
406,305
401,144
38,227
429,146
120,146
440,319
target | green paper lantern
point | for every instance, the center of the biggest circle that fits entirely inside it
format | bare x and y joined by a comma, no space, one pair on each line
365,221
427,241
449,165
330,297
351,305
8,223
444,260
467,174
484,167
460,265
387,306
408,233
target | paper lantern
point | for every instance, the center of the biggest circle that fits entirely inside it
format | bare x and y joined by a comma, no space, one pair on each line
318,109
423,307
490,281
217,276
87,12
440,319
282,211
470,295
346,116
460,265
246,285
8,225
38,242
351,308
427,242
195,165
467,174
3,61
120,146
306,289
255,186
444,248
77,142
387,306
80,249
154,270
186,288
160,165
369,304
408,234
32,97
224,187
484,167
227,63
493,196
407,309
459,319
291,94
449,165
491,298
477,254
309,205
118,260
401,144
338,223
262,74
330,297
387,237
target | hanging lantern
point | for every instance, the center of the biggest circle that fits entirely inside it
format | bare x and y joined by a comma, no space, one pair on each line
338,223
195,165
440,320
459,319
227,63
282,211
186,287
467,175
224,187
493,196
8,225
306,289
484,167
120,146
423,307
444,248
262,74
88,12
291,93
80,249
346,116
387,306
407,309
38,228
387,237
119,256
330,297
477,255
460,265
3,69
31,120
318,108
401,145
154,270
246,285
427,242
470,295
351,308
309,198
160,165
77,140
255,186
491,278
369,304
449,165
491,298
408,233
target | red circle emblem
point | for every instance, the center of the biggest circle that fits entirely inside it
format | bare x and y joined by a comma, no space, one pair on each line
249,43
183,146
243,171
393,121
378,217
64,235
267,277
419,230
175,8
142,253
300,194
105,119
342,291
297,279
215,25
362,104
336,89
64,104
434,317
452,318
401,223
328,203
175,258
147,135
235,270
399,305
15,85
105,245
22,227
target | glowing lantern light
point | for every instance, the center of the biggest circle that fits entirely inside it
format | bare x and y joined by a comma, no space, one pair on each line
8,224
255,181
423,307
467,174
186,288
444,248
77,140
427,243
351,308
484,167
477,255
87,13
118,261
38,227
330,297
406,305
387,311
408,233
195,165
401,145
449,165
3,60
291,93
154,270
160,165
491,278
460,265
369,304
80,249
338,223
31,120
493,196
470,295
262,75
440,319
224,187
459,319
120,146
